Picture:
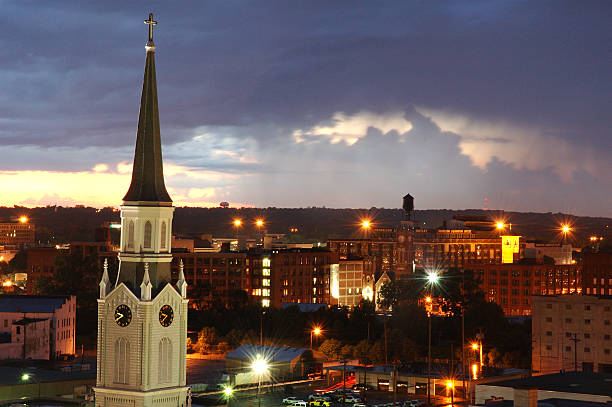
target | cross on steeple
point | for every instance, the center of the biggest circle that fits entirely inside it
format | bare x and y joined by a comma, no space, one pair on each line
151,23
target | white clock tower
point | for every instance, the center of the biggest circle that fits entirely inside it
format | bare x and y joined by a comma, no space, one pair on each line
142,318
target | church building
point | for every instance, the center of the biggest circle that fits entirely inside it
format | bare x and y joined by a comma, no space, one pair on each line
142,318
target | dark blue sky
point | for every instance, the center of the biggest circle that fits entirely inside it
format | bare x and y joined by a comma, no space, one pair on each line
318,103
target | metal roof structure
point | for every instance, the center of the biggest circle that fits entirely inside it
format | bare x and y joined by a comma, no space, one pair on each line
269,353
31,303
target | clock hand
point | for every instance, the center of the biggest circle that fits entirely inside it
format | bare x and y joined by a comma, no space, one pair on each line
165,316
119,317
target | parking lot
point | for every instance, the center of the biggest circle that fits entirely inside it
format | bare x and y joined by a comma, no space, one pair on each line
274,398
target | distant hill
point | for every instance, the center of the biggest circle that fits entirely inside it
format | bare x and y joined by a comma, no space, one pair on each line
59,224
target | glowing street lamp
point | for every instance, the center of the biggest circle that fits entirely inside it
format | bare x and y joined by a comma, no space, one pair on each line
433,278
25,377
23,219
500,225
450,386
259,223
228,393
237,223
475,370
565,229
316,331
366,224
259,367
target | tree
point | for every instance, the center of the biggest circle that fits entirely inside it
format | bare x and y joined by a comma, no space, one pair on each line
19,262
207,338
389,295
75,274
331,348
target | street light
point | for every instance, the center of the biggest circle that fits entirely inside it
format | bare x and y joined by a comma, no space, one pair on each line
451,387
316,331
259,223
237,223
500,225
228,393
260,367
428,307
23,219
26,378
433,277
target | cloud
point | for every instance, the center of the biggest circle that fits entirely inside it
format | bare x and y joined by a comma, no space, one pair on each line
521,146
350,128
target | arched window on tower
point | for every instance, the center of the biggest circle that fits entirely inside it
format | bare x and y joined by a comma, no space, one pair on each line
165,360
147,235
163,235
130,243
122,360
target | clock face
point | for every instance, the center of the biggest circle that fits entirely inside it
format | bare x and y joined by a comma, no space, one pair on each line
123,315
166,315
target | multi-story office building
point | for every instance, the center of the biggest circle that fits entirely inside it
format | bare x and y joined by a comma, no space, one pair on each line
266,277
388,249
512,286
303,276
571,332
597,271
17,233
441,249
351,283
214,277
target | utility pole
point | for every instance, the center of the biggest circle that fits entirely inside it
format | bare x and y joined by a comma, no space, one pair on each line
394,383
429,360
575,340
344,384
463,364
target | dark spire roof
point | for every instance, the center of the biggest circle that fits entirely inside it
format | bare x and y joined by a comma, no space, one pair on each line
148,174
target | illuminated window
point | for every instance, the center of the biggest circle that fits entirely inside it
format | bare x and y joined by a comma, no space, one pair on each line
265,303
265,292
266,262
265,282
266,272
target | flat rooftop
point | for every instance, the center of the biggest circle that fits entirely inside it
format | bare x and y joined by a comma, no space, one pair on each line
570,382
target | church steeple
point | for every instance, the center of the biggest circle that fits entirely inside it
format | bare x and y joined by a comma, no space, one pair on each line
147,187
146,213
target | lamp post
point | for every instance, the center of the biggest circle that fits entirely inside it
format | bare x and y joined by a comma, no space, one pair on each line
565,229
259,366
228,393
450,386
433,278
316,331
366,224
428,301
26,378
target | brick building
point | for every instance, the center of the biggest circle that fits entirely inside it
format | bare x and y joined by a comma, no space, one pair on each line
17,233
512,286
454,248
572,332
388,249
597,269
51,316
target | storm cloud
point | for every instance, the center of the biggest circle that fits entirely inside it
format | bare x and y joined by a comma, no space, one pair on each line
342,104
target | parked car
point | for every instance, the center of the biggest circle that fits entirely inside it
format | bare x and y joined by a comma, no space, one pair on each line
290,400
299,403
320,403
362,386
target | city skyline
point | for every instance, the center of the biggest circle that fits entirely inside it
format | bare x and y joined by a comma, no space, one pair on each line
265,105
